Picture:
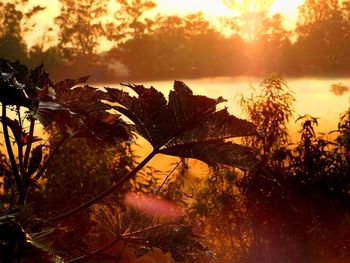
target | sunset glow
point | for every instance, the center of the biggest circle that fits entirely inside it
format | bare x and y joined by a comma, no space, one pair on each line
212,9
216,8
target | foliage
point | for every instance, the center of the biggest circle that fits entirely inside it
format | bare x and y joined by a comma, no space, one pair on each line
270,110
323,48
294,211
186,126
131,20
80,26
219,212
16,20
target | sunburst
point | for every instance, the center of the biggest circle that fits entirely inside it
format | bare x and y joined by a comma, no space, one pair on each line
249,6
252,13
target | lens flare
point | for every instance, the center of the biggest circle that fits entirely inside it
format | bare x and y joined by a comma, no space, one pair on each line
152,206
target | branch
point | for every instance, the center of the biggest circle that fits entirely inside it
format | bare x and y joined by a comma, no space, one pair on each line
21,191
110,190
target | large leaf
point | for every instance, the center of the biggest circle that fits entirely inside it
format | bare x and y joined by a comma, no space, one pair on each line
17,239
179,240
186,125
67,84
86,103
77,111
216,151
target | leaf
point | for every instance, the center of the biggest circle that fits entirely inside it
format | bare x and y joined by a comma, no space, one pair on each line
47,239
86,103
216,151
179,240
186,125
16,129
48,112
12,92
67,84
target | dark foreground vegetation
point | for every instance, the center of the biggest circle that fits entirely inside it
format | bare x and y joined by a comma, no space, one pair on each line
66,195
72,188
167,47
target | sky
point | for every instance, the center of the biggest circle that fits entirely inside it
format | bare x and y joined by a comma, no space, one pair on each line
215,8
212,9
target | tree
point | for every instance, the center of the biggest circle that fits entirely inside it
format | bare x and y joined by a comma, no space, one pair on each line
275,43
323,30
131,22
177,46
81,27
252,14
15,18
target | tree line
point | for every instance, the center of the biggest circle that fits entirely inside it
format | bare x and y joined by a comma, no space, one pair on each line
170,46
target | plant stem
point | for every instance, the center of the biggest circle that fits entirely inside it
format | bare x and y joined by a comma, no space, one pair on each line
20,147
21,191
49,159
29,145
125,237
106,192
94,253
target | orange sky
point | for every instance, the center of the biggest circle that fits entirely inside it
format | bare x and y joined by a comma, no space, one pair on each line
212,9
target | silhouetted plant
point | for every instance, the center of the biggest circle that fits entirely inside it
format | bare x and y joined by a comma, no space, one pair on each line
186,126
270,109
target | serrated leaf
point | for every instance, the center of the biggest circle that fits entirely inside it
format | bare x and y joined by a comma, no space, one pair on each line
179,240
186,125
49,111
91,114
67,84
216,151
47,239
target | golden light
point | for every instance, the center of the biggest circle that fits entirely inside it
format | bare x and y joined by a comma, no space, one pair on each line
252,12
285,7
249,6
211,8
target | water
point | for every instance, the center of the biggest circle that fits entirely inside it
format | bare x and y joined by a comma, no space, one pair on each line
312,96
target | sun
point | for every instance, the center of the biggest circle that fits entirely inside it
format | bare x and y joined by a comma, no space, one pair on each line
252,13
249,6
210,8
269,6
